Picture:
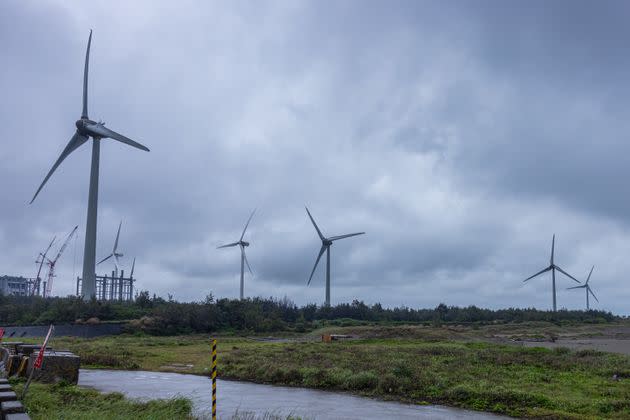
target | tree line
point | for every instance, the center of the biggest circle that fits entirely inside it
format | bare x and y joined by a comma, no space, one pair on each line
156,315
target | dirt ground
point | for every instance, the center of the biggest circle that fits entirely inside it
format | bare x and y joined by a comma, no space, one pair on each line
611,345
613,339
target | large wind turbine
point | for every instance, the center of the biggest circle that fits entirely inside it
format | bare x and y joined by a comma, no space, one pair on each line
587,288
553,267
326,243
87,128
115,252
244,261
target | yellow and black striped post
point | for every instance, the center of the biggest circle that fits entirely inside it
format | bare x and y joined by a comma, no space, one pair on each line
214,379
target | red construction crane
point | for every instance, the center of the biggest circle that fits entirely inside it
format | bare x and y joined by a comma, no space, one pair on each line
51,263
41,259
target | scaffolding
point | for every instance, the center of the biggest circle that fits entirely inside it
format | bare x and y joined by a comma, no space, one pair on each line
111,288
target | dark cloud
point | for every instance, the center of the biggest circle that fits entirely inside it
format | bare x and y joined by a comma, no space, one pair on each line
460,137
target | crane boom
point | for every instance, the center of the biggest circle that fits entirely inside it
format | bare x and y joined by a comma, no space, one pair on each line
51,263
39,270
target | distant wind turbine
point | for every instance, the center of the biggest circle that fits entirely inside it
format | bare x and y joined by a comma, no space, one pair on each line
553,267
115,252
326,243
87,128
587,288
244,261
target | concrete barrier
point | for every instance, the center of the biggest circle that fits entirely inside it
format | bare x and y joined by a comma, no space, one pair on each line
56,367
71,330
11,407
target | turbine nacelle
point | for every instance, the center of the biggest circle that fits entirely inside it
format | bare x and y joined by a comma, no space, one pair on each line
244,243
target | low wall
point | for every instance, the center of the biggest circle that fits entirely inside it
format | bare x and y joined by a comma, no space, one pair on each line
73,330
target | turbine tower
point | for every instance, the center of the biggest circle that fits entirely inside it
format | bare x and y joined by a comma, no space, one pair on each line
553,267
244,261
87,128
587,288
326,243
115,252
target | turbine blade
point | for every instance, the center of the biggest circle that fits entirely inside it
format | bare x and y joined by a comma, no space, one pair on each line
133,266
247,263
314,224
553,242
537,274
105,259
228,245
566,274
247,224
84,114
116,263
576,287
592,294
117,236
334,238
75,142
589,274
99,130
321,252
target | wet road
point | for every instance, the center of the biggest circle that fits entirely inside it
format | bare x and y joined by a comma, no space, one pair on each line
246,397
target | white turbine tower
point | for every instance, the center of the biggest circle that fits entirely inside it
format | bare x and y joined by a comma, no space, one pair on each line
552,267
587,288
326,243
115,252
244,261
87,128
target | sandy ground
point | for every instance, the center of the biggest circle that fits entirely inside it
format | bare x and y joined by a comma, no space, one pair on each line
614,339
611,345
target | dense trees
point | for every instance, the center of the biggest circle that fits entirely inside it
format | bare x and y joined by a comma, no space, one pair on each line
156,315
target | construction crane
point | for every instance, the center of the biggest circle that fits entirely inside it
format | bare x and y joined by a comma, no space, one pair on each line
41,259
51,263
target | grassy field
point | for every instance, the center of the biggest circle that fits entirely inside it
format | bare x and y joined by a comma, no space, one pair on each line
453,366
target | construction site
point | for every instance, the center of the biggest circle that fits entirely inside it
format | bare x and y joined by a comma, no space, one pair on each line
112,287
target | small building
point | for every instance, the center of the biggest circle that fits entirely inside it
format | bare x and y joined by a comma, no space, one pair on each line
16,286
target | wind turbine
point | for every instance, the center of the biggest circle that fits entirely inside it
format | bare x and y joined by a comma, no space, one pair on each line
553,267
587,288
115,252
326,243
87,128
244,261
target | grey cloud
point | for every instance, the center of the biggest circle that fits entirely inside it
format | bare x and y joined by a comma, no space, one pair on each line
458,136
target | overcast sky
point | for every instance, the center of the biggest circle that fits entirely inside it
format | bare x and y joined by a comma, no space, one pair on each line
459,135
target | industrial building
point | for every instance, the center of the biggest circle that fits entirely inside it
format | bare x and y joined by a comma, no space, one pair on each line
16,286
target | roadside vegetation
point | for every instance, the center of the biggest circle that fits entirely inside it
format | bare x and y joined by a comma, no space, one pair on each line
422,365
158,316
62,401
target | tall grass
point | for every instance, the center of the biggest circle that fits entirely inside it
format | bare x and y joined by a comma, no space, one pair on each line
60,401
